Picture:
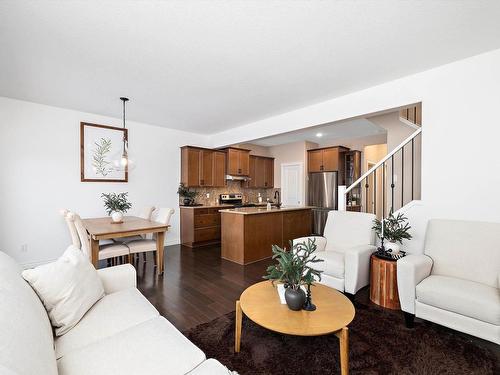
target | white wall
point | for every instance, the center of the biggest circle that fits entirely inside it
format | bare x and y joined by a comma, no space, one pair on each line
40,173
460,165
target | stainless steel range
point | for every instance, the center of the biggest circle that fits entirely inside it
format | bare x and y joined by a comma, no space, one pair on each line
234,199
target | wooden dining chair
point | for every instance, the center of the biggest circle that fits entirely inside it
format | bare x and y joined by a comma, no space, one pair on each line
144,245
145,213
75,240
106,252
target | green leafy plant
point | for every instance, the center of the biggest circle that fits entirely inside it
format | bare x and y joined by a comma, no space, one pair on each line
293,266
116,202
184,192
99,161
396,228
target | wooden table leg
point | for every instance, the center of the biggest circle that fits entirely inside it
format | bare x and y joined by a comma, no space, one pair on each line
94,249
237,333
160,238
343,336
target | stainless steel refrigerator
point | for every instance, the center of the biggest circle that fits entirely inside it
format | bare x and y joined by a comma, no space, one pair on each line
322,194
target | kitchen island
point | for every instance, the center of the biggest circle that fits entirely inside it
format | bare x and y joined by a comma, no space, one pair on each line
247,234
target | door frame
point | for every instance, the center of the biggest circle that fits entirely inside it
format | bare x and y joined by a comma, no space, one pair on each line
301,179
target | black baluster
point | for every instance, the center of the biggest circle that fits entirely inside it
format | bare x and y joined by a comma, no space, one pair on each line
366,194
402,175
412,165
392,183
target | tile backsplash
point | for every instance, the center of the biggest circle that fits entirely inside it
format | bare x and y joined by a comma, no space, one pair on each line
249,195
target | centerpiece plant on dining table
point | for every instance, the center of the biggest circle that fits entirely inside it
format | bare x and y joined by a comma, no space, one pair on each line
293,269
116,204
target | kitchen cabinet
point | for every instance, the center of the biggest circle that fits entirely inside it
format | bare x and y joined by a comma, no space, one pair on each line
269,172
219,168
200,226
238,161
261,172
328,159
202,167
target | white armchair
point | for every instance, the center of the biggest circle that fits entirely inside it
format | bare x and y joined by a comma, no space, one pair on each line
455,282
345,249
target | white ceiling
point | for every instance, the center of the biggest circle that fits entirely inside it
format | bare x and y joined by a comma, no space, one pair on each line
206,66
329,132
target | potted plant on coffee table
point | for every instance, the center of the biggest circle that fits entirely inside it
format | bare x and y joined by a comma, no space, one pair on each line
293,269
187,194
393,230
116,205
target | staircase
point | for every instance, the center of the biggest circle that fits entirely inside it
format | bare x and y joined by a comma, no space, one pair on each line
394,181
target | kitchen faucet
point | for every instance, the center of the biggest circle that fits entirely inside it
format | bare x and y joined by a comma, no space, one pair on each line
278,202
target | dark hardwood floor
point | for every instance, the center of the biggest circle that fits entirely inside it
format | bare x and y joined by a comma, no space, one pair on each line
197,285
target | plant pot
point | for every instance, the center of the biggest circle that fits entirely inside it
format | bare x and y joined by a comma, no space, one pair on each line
117,216
393,247
188,201
295,298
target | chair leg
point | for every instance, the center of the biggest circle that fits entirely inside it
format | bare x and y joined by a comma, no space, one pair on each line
144,257
409,319
108,261
154,257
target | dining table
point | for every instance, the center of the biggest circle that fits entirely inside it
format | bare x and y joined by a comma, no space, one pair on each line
103,228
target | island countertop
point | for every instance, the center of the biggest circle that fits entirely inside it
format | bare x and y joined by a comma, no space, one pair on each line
263,210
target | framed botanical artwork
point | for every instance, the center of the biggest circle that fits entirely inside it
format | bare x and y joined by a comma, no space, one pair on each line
100,146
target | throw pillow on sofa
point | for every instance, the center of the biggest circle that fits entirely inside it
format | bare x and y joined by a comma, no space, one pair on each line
68,288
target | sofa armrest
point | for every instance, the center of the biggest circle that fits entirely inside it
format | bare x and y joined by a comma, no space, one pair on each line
320,241
411,269
357,267
117,278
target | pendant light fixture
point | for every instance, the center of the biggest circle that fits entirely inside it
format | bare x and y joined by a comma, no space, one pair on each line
122,161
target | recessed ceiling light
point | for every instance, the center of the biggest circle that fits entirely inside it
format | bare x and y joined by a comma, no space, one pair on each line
319,135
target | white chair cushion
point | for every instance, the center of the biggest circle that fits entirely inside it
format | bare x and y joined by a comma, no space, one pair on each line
127,239
212,367
152,347
105,242
67,287
141,246
112,250
332,265
26,340
475,300
113,313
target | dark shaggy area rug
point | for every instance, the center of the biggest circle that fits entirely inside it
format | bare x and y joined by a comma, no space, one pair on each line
379,343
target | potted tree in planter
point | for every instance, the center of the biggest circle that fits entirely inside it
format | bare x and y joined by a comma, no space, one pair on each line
392,230
187,195
116,205
293,270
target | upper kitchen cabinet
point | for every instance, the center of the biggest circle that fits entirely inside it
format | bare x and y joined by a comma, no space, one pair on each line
238,161
202,167
261,172
329,159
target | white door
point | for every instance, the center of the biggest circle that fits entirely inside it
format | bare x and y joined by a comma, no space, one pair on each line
292,182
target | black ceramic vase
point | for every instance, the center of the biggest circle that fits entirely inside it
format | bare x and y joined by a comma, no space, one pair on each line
295,298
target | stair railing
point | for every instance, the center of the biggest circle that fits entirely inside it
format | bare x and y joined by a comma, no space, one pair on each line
345,194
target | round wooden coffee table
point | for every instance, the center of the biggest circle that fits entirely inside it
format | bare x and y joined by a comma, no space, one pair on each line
260,302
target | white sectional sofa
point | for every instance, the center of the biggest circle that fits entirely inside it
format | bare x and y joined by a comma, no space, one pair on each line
121,334
456,281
